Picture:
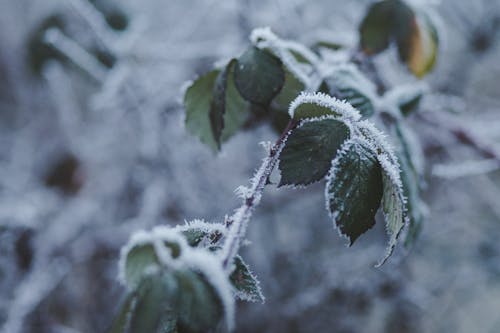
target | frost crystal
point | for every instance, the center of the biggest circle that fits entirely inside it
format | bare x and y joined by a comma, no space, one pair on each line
346,111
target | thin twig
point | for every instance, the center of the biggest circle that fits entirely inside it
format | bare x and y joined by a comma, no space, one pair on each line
464,136
238,221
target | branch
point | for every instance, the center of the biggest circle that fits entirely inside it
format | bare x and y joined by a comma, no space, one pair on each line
237,223
464,136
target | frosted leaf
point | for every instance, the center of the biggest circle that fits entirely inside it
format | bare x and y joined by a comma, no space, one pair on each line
199,233
405,97
309,150
354,188
393,207
246,286
312,105
347,83
394,201
148,249
210,266
264,38
164,250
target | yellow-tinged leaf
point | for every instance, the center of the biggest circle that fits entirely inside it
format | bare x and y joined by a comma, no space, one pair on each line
423,47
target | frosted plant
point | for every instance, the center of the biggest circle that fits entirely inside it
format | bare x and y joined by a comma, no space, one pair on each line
328,111
339,120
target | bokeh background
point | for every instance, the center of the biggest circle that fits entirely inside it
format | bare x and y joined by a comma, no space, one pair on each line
95,148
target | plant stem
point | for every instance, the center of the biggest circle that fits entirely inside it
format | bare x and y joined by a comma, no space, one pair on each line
464,136
237,223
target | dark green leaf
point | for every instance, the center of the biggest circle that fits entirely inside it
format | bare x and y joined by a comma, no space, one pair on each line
393,206
198,306
259,76
376,29
354,189
196,236
197,102
138,259
410,176
246,284
143,256
156,298
237,109
309,150
218,107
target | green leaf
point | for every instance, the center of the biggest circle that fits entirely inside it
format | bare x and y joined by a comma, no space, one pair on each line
309,150
121,321
237,109
291,89
143,256
410,176
202,236
246,284
215,111
198,306
229,110
259,76
197,102
218,107
138,259
393,206
376,29
354,189
155,304
348,83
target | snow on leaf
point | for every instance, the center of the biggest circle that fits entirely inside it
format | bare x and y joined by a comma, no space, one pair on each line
346,82
394,208
164,251
354,188
313,105
406,97
247,287
264,38
309,150
199,233
210,266
148,249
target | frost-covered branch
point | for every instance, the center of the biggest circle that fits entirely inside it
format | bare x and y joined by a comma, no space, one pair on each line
237,223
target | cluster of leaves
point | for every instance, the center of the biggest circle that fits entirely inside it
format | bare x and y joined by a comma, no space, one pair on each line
332,141
176,278
176,281
366,173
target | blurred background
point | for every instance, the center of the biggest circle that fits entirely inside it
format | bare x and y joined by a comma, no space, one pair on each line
93,147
